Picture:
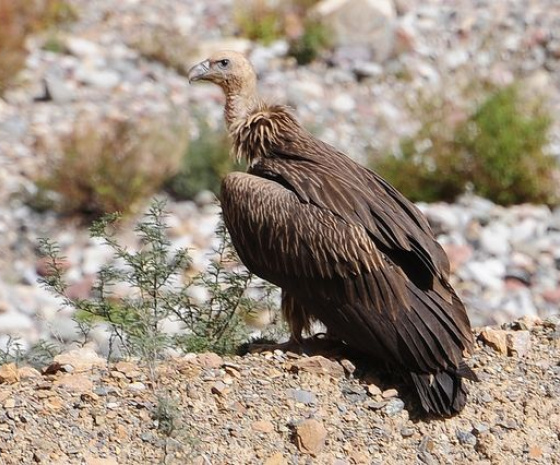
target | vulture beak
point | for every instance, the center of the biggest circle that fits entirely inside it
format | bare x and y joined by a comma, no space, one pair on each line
198,72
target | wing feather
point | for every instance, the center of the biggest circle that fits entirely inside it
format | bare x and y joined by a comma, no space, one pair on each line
333,266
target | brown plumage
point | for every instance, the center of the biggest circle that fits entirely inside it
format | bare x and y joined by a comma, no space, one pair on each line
346,248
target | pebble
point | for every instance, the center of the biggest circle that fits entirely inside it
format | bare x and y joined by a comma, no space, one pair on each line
303,397
407,432
311,436
466,437
393,407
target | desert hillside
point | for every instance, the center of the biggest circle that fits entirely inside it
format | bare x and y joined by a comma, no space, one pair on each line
281,408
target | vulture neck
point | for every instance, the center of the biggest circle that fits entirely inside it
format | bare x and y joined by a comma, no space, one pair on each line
240,104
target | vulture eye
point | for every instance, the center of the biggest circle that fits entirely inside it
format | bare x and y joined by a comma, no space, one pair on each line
223,64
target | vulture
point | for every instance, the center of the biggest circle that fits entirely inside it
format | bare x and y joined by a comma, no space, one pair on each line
346,248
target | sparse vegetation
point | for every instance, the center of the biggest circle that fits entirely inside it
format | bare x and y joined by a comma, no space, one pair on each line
114,166
497,150
266,21
203,166
19,19
38,356
160,292
503,145
165,45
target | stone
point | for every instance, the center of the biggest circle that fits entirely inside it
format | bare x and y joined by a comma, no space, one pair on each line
27,372
262,426
94,460
466,437
13,322
373,390
495,338
220,388
276,459
304,91
393,407
209,360
311,436
387,394
57,90
303,397
363,23
535,452
82,48
343,103
494,239
407,432
105,79
9,374
348,366
129,369
82,359
75,383
137,387
518,343
458,255
318,365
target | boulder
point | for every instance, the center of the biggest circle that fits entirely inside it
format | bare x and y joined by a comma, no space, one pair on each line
366,25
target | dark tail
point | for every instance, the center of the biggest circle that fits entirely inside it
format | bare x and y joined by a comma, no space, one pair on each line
443,393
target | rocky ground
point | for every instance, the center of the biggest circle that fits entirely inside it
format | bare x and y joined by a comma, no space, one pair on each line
281,408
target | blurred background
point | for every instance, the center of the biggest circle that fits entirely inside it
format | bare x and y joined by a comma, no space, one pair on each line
457,103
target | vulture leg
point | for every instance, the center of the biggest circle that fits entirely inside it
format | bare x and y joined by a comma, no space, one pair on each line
299,320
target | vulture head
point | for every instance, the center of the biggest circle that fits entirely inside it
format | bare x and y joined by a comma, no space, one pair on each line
233,72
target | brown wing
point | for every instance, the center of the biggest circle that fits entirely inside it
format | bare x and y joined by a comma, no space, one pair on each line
289,234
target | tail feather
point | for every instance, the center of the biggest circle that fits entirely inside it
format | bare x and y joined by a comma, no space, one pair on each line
441,393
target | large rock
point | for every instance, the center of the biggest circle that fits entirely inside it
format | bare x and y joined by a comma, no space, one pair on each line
361,24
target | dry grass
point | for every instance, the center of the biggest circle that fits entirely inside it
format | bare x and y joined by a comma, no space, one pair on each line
19,19
115,166
165,45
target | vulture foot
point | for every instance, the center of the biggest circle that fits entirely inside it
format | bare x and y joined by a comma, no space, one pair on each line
318,344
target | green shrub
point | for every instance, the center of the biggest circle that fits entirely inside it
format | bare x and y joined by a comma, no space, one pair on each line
152,274
307,46
427,167
113,166
497,150
259,20
19,19
503,144
266,21
203,166
38,356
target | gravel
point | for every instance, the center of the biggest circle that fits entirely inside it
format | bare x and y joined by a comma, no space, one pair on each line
255,409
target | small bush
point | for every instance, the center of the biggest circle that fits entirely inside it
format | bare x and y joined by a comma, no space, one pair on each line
19,19
259,20
203,166
154,275
503,145
497,150
308,45
114,166
38,356
427,167
266,21
165,45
